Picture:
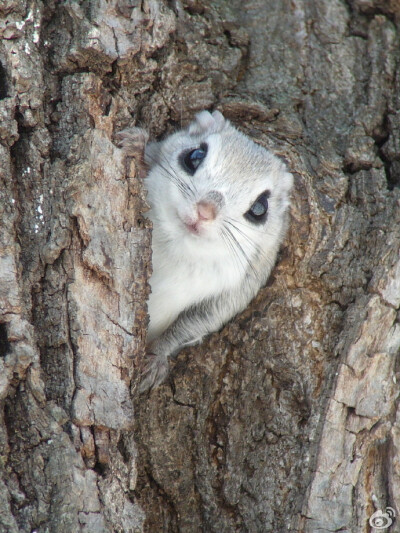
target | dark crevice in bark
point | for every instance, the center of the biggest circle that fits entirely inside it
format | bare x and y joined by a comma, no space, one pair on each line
101,469
4,343
16,419
381,136
3,82
124,450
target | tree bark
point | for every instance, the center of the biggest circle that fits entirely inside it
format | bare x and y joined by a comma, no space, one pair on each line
287,419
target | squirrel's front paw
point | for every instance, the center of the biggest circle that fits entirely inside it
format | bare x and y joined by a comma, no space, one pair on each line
154,373
132,140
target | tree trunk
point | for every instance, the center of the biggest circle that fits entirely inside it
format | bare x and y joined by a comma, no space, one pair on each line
288,418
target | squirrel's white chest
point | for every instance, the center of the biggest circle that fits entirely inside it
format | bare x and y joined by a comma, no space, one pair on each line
179,283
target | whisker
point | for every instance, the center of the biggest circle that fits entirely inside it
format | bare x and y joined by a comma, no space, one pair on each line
172,172
252,243
240,248
168,162
255,246
228,241
183,187
253,229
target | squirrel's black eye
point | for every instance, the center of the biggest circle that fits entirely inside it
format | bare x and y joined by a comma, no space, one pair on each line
191,160
258,211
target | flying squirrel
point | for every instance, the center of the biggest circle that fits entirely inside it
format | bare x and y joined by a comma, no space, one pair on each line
219,205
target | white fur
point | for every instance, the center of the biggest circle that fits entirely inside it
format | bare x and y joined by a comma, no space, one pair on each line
201,280
189,268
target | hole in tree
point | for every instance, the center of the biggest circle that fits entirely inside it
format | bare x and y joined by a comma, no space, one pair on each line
4,344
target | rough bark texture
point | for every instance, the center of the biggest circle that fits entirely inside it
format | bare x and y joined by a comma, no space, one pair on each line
287,419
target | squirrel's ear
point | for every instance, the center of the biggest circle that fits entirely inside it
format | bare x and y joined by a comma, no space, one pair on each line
207,122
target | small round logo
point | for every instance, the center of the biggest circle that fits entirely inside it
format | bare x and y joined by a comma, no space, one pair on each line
382,520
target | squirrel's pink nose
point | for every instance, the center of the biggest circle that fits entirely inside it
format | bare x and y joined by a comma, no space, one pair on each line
206,210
